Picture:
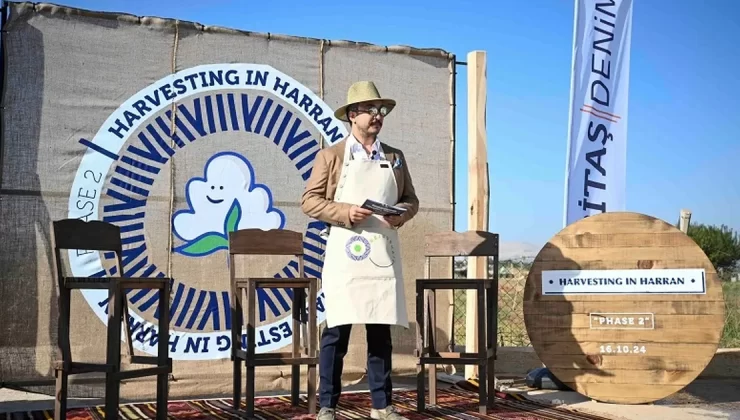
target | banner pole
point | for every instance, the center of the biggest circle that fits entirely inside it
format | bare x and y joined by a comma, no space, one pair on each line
569,144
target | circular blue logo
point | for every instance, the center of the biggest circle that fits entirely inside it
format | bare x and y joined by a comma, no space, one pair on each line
357,248
129,176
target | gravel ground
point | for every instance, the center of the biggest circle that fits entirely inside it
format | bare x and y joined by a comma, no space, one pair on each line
704,399
715,394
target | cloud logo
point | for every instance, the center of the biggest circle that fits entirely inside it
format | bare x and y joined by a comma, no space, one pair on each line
225,199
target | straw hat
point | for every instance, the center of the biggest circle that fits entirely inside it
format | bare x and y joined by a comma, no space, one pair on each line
359,92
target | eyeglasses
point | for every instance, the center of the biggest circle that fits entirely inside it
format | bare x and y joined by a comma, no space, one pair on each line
374,110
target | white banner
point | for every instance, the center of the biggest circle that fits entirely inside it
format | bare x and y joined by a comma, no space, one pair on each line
619,282
597,128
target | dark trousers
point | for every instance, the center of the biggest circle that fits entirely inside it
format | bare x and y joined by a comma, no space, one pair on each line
334,343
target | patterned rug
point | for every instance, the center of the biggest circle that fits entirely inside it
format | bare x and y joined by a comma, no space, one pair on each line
451,404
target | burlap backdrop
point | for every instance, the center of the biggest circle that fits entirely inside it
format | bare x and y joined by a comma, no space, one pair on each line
67,71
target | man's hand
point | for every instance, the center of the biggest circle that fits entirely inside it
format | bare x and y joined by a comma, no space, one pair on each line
393,220
357,214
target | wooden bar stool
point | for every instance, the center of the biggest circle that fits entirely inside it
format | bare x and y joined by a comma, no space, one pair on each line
75,234
272,242
456,244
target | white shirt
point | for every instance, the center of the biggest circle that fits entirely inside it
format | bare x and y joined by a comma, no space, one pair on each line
358,150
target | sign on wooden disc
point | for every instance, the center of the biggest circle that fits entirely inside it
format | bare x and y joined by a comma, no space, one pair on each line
623,308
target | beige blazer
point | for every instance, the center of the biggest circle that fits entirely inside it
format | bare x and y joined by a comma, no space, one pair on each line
318,197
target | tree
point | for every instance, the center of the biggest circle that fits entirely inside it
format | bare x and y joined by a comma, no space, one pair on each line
721,245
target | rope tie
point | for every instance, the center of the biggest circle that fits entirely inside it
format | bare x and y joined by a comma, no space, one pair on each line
173,133
321,84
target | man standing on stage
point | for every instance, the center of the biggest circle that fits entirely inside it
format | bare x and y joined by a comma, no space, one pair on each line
362,278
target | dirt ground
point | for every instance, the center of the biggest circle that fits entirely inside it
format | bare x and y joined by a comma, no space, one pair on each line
704,399
719,394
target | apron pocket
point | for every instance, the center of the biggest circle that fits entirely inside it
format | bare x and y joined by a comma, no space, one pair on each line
382,252
372,298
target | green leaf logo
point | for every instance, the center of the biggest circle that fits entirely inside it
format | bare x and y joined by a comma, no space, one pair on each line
233,217
204,245
211,242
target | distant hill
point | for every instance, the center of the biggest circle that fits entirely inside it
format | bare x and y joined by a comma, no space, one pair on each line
518,251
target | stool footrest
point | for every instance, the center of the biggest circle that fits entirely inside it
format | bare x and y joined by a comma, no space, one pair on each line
455,284
490,352
283,361
145,360
86,282
144,282
439,358
140,373
77,367
276,359
273,283
242,354
125,282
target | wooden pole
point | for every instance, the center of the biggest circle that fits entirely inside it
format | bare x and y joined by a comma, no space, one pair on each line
478,196
684,220
453,132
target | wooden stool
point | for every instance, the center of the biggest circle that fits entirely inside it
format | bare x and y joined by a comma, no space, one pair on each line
272,242
75,234
455,244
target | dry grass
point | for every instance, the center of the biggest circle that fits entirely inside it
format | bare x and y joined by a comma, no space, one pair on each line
731,332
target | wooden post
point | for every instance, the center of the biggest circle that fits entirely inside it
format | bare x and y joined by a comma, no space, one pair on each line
684,220
477,190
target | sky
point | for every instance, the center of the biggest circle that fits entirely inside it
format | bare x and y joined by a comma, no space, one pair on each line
683,139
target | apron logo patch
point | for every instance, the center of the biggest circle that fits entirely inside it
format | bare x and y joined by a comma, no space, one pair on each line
357,248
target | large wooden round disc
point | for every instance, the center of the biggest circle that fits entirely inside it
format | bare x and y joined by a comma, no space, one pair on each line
623,308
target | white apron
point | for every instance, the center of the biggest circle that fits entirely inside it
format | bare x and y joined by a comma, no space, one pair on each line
362,279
